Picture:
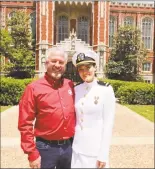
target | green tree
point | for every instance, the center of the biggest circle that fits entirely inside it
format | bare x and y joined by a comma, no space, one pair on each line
127,55
5,50
6,41
19,51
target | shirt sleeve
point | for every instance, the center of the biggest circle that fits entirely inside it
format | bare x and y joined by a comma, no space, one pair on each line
27,112
108,120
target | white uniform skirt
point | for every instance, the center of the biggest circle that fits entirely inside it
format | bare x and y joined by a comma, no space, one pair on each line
84,161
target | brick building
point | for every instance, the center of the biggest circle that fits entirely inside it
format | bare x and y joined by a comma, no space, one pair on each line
84,25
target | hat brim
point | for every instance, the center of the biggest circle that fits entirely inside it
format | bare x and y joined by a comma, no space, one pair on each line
85,62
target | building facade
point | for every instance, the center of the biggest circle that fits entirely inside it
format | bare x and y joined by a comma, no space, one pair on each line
78,25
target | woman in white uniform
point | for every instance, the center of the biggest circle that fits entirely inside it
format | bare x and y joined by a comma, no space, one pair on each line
95,107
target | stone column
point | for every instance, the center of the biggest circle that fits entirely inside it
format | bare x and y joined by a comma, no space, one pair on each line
43,47
100,65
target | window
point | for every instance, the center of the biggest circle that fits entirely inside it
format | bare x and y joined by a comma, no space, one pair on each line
146,67
111,30
33,25
11,14
128,21
147,32
83,26
147,81
62,28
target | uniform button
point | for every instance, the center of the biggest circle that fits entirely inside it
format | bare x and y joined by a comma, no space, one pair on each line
65,118
82,103
65,128
81,120
85,95
81,112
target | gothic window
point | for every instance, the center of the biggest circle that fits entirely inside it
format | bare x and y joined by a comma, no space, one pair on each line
62,28
2,18
33,25
11,14
128,21
111,30
146,67
83,28
147,81
147,32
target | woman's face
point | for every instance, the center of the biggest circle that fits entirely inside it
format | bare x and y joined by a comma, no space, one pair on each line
87,72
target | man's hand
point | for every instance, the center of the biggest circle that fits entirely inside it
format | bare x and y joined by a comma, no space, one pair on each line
100,164
36,163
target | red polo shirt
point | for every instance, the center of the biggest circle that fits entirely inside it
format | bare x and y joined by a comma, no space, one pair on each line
53,110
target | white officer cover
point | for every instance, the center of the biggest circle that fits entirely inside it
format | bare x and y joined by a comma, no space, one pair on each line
90,53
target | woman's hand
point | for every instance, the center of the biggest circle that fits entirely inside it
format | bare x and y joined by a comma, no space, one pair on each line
100,164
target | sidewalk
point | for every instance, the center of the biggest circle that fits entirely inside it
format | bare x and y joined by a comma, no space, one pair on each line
132,142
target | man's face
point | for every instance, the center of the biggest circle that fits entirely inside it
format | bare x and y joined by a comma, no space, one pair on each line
87,72
55,65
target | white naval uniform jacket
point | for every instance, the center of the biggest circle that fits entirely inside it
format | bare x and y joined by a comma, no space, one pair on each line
95,107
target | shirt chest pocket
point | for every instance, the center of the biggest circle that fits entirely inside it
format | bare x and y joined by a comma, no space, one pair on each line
47,101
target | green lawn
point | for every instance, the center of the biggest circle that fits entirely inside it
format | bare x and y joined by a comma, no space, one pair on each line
145,110
2,108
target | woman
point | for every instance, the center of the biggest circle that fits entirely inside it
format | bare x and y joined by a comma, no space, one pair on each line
95,106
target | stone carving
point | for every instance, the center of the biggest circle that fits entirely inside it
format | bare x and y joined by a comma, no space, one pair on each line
72,38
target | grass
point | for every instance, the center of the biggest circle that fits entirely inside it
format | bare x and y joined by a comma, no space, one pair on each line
4,108
146,111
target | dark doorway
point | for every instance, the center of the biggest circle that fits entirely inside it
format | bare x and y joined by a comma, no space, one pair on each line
71,73
73,24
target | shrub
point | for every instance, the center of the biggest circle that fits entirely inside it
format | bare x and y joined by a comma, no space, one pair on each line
116,84
132,92
136,93
11,90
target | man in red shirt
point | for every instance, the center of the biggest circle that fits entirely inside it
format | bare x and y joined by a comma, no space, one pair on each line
50,102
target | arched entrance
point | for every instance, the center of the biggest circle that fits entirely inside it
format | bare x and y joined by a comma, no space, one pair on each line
71,73
71,45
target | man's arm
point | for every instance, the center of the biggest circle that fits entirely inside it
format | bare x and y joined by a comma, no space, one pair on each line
27,108
108,120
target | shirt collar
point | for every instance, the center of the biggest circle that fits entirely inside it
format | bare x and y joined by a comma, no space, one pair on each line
89,85
54,83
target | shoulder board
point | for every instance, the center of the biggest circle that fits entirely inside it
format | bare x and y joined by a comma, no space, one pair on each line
103,83
76,84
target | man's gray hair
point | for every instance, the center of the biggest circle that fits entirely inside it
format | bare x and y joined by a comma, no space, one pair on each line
55,49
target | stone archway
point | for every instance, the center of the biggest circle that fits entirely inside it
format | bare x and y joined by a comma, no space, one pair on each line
71,72
72,45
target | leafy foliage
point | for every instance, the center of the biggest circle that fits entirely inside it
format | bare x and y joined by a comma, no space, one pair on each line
129,92
127,55
16,46
12,89
140,93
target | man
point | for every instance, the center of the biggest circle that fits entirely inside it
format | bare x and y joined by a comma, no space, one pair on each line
50,102
95,111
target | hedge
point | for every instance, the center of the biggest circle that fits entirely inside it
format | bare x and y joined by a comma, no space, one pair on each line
127,92
133,92
11,90
136,93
